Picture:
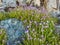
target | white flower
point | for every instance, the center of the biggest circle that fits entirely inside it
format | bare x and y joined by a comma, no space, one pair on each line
3,41
18,41
46,26
30,22
28,26
40,39
44,23
47,21
34,38
40,23
35,22
33,30
42,36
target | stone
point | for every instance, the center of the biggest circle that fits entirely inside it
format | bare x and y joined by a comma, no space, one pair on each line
9,3
57,29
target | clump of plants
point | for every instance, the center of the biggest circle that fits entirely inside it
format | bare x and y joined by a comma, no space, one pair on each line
3,37
39,27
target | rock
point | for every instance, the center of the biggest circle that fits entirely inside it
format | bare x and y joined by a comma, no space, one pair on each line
57,26
57,29
9,3
1,9
14,29
55,13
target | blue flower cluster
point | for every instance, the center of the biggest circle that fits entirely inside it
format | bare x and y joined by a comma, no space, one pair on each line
14,29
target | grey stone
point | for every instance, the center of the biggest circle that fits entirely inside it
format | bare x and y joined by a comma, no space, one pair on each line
9,3
57,26
57,29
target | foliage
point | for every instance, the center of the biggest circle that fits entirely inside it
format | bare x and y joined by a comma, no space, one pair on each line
39,27
3,37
